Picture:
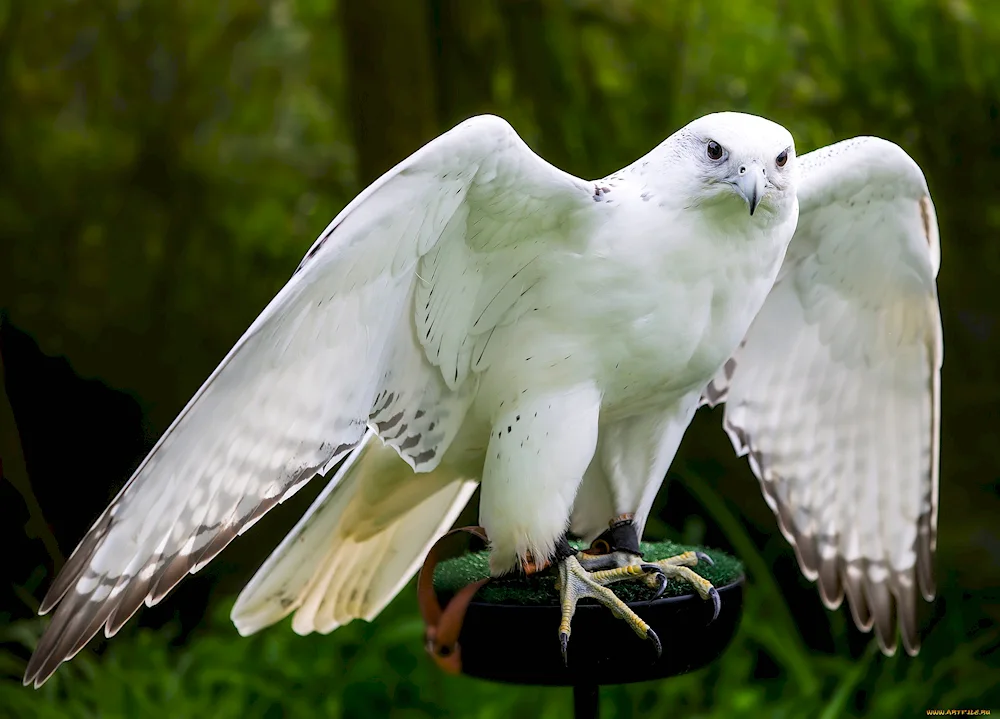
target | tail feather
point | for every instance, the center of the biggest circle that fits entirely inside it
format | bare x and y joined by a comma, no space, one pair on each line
356,547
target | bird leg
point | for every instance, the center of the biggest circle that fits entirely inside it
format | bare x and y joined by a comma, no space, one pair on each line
613,557
615,554
575,583
616,546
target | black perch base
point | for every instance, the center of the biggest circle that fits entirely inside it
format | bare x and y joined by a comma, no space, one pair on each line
520,644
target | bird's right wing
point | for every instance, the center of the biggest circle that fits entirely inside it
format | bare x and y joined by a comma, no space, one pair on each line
382,325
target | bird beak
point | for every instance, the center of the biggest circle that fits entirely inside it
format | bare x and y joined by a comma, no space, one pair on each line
751,182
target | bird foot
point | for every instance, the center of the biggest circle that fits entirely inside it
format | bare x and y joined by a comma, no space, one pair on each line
613,557
679,567
575,583
617,565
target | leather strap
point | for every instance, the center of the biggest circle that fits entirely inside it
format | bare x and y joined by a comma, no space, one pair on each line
444,625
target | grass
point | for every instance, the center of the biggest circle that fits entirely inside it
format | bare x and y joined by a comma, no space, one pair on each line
453,574
380,670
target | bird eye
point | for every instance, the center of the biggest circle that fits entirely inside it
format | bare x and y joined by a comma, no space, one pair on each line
714,150
781,159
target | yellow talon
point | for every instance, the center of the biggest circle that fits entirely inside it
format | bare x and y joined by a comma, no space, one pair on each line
678,567
606,576
575,582
687,559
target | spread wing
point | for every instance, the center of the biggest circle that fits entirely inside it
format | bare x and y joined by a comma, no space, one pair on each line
835,392
384,324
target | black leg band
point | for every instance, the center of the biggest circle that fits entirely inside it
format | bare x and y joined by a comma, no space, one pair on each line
563,550
620,536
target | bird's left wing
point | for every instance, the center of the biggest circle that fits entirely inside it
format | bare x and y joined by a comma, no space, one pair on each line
834,394
381,326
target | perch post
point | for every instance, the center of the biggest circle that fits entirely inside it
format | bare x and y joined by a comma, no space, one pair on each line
509,634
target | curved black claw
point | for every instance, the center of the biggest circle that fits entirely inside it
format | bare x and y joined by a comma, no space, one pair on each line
651,636
713,594
661,578
702,557
564,646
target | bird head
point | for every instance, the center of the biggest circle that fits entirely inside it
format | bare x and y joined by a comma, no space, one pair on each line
737,163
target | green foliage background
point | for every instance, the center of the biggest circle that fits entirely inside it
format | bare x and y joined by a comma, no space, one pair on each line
164,165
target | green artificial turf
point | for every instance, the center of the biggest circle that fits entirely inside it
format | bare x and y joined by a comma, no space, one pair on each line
453,574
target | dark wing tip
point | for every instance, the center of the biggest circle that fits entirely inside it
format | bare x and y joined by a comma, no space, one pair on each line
853,579
806,553
883,599
903,587
77,563
831,589
886,604
78,617
804,544
883,609
74,623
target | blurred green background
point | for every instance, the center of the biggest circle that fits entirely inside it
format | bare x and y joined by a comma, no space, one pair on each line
164,166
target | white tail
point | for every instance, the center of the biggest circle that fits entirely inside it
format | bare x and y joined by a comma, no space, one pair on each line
356,547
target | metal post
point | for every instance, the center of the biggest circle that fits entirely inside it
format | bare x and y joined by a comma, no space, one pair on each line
586,701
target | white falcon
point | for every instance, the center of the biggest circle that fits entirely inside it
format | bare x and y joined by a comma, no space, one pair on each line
479,316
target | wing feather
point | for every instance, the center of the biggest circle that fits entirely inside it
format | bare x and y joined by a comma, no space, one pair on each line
834,394
330,353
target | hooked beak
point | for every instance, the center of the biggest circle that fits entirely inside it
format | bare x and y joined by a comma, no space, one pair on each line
751,182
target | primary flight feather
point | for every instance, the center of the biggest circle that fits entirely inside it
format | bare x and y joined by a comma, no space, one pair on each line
479,316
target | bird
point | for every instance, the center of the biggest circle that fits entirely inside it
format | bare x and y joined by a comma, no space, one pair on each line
479,318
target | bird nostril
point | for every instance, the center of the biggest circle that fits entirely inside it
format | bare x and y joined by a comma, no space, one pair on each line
764,170
743,169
